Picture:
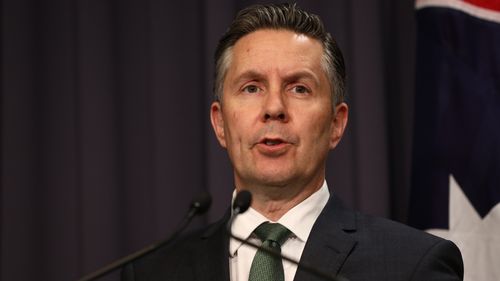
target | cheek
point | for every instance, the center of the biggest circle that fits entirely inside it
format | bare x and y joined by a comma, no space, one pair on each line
316,128
235,127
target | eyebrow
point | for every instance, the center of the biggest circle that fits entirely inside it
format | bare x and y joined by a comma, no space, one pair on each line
248,75
302,74
294,76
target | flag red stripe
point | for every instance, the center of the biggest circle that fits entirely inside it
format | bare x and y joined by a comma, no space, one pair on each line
486,4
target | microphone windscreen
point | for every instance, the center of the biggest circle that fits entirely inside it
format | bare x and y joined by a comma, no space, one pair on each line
242,201
201,202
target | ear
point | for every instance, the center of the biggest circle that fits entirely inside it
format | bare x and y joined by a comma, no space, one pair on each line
339,123
218,122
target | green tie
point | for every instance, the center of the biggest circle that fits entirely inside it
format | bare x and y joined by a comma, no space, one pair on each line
266,267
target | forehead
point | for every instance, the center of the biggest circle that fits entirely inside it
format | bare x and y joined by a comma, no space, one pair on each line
270,49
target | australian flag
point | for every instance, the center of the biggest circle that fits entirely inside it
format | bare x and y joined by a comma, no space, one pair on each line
456,146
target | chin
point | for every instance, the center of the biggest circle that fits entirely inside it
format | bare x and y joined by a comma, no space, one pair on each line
272,175
275,179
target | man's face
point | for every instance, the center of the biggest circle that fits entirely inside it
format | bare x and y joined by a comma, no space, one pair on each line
276,118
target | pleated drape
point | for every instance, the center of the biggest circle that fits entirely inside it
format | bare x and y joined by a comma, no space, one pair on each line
105,132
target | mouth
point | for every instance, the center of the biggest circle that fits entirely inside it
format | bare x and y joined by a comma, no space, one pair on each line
272,142
273,146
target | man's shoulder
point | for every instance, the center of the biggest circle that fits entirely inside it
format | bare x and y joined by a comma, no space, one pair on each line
389,237
384,248
411,254
373,229
382,229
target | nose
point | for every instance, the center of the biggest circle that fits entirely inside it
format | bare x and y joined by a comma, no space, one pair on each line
275,107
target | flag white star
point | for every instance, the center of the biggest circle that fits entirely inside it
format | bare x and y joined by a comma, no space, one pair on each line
478,239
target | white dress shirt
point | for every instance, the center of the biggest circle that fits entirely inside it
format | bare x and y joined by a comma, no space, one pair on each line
299,220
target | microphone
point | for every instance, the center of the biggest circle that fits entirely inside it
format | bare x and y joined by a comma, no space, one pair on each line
199,205
240,205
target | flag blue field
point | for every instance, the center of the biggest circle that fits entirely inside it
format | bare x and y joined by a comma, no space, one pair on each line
456,146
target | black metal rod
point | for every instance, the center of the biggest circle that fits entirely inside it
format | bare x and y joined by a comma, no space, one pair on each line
144,251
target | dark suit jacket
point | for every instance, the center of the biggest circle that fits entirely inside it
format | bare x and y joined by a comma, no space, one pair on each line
353,245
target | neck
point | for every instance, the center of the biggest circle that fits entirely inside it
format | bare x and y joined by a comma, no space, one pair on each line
275,201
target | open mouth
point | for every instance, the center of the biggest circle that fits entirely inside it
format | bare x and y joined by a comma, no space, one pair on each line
272,142
273,147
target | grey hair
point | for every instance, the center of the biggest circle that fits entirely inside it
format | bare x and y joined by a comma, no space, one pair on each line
281,16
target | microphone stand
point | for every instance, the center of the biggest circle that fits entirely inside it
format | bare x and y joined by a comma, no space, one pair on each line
197,207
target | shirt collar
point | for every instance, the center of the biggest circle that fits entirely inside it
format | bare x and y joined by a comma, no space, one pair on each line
299,220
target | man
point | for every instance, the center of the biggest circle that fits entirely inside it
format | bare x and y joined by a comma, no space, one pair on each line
279,109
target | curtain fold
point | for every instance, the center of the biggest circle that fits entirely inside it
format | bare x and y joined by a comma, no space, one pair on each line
105,132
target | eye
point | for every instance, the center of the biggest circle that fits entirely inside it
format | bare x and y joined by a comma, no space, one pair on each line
299,89
251,89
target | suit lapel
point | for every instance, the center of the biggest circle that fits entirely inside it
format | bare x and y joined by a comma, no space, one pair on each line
327,247
329,243
213,261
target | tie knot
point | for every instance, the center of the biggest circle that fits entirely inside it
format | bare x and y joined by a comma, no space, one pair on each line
272,232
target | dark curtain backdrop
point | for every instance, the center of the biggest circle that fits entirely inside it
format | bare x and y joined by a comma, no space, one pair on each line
105,132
